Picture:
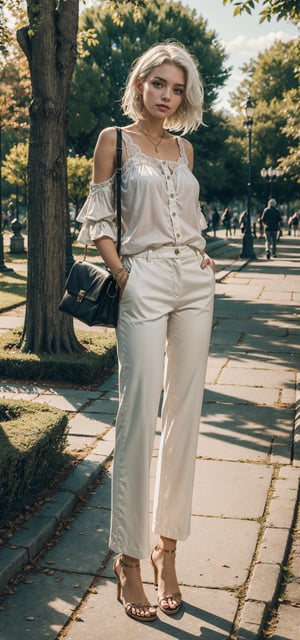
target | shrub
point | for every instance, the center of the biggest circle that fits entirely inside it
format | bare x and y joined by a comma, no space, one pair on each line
32,441
98,357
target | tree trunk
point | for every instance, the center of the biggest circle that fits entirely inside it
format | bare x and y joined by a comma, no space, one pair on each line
50,46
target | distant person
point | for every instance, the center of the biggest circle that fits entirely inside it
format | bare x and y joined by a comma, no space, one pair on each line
243,221
215,220
235,223
293,224
226,219
260,225
271,219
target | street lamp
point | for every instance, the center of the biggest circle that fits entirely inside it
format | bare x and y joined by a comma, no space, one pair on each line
270,174
3,266
248,111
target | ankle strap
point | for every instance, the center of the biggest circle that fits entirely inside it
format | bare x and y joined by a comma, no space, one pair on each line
159,548
128,566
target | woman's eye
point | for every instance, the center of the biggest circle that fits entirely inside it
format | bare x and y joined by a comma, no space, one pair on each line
178,92
157,84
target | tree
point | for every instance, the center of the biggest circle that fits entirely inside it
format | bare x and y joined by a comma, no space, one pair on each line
79,176
14,168
281,9
272,81
100,77
49,44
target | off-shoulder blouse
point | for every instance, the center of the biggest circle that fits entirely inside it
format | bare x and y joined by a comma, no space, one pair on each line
160,204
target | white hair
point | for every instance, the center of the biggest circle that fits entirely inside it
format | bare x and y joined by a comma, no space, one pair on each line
189,115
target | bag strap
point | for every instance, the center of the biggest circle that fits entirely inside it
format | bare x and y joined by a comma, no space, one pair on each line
118,186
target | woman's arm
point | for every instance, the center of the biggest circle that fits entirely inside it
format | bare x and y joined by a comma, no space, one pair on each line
103,169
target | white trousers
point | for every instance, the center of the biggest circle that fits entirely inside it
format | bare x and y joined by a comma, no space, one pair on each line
166,308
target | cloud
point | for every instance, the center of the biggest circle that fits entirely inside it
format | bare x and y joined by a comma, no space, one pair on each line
245,46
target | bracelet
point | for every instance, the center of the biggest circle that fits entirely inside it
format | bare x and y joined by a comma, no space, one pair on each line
118,271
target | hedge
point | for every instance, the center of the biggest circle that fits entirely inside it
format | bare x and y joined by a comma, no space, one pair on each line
32,443
98,357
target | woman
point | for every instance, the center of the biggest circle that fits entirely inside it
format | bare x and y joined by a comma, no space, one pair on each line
166,283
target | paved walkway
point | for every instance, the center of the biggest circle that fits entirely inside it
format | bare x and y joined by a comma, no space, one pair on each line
245,498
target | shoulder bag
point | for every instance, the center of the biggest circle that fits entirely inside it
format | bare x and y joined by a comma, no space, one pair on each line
91,294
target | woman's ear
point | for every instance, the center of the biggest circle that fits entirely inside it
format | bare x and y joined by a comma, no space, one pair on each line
139,85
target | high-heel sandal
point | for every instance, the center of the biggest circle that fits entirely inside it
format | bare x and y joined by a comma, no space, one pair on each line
170,611
129,606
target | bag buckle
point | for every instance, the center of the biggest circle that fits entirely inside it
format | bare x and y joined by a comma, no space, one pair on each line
80,295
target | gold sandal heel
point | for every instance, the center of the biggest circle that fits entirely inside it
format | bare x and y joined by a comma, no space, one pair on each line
169,611
129,607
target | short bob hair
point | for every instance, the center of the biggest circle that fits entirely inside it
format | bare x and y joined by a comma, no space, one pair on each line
189,115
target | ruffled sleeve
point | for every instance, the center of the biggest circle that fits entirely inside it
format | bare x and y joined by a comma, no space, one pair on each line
98,216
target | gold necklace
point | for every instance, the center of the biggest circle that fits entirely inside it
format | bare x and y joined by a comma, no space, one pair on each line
155,144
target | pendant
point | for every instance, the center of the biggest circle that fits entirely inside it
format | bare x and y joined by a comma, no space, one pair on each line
156,149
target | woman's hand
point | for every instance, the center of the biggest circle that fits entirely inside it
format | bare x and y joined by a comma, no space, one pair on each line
121,276
208,262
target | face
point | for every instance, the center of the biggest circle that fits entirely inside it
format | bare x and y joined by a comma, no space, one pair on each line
163,90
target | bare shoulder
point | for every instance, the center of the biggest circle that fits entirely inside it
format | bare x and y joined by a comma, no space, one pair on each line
106,139
188,147
104,155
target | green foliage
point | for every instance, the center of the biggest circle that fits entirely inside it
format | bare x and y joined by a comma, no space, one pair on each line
100,77
281,9
79,177
29,457
97,358
14,168
272,81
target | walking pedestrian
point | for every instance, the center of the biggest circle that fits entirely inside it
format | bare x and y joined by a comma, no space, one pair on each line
226,219
271,219
293,224
215,221
166,281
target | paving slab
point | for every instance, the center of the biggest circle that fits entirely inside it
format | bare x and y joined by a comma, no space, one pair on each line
252,615
242,376
40,608
224,555
244,432
289,623
239,394
84,546
284,502
207,613
87,424
230,489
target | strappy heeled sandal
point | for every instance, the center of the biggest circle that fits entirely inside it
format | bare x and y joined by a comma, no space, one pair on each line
169,611
129,607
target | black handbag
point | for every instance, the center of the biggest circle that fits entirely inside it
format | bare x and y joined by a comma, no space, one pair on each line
91,293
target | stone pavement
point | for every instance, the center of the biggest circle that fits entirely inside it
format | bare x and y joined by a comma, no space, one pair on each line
245,498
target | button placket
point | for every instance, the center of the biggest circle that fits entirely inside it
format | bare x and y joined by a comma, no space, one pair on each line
173,211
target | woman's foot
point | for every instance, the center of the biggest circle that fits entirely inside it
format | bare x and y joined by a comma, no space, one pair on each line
163,562
130,590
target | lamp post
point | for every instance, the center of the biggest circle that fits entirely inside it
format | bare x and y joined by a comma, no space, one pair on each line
3,266
271,175
247,250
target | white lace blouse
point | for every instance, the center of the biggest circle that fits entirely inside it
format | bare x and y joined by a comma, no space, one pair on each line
160,204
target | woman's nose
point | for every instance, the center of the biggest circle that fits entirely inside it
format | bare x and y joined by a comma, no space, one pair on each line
166,93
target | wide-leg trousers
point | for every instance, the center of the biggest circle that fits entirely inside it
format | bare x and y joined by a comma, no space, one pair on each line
163,337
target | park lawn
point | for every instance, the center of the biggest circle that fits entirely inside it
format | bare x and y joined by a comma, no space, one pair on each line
12,289
13,283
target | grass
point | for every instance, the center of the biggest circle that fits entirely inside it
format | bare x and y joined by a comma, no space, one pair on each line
13,282
13,289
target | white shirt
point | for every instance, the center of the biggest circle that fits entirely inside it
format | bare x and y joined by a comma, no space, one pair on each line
160,204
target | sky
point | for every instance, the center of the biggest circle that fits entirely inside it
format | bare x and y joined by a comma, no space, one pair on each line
242,36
